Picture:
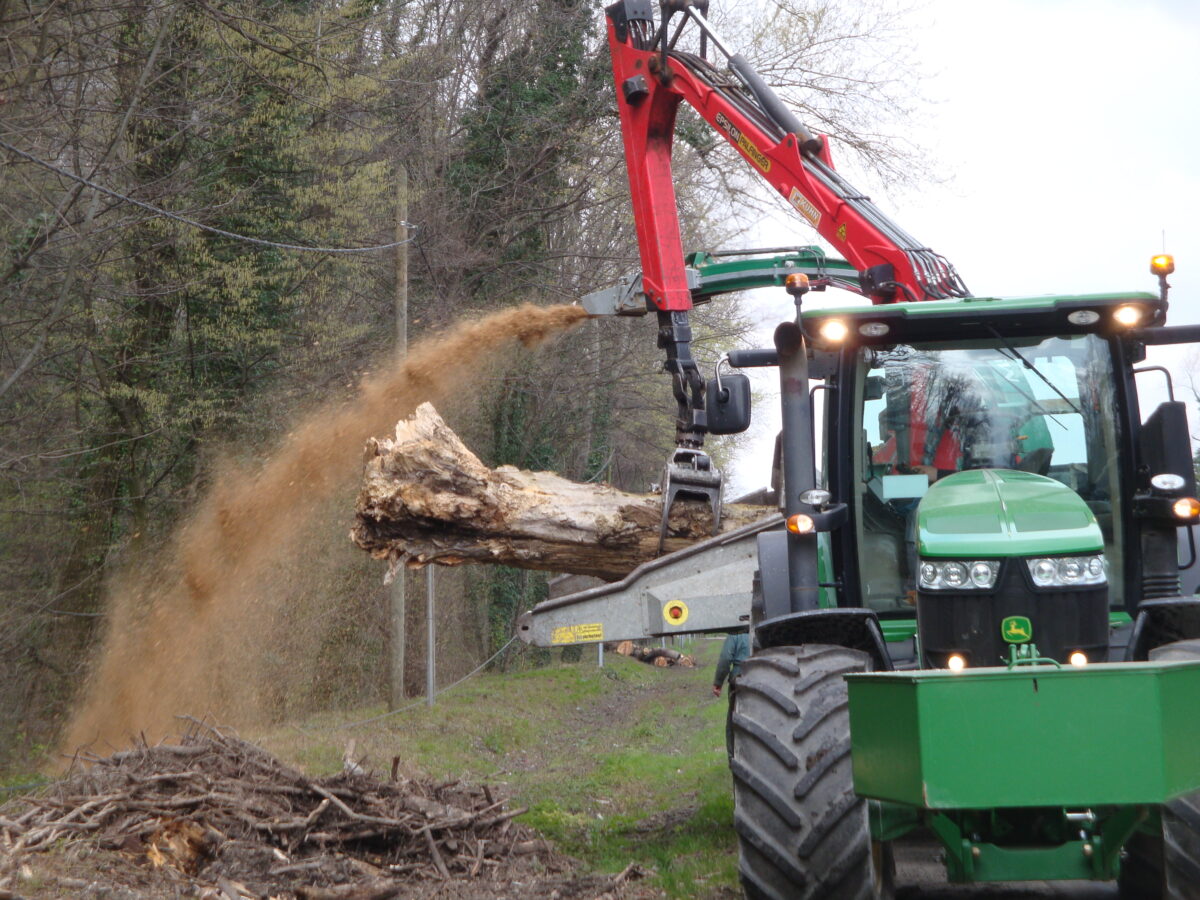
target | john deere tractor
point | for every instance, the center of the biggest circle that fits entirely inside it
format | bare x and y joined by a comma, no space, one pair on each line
966,617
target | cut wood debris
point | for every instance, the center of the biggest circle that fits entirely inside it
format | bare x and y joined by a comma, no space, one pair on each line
655,656
233,821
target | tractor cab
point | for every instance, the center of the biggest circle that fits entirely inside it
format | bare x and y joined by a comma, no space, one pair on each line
988,455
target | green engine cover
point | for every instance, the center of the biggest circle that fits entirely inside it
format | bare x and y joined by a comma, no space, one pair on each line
998,513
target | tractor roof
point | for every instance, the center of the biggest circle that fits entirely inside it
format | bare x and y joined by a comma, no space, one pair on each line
981,316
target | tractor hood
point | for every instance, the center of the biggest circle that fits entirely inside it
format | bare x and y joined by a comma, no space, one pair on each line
997,513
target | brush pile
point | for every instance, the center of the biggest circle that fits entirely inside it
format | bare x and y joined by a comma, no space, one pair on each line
231,821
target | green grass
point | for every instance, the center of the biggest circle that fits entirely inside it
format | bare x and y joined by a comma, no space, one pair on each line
617,765
17,781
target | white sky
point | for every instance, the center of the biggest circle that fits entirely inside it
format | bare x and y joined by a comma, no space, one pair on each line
1068,135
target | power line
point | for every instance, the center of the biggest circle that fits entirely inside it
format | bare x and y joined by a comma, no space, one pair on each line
23,787
158,211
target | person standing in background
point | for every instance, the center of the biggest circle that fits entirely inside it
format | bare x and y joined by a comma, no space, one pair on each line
729,666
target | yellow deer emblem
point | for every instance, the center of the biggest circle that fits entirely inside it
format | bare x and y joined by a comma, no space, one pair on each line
1016,629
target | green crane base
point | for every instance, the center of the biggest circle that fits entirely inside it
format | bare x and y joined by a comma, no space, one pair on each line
1094,855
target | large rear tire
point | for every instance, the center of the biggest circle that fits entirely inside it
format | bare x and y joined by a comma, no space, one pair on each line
802,831
1166,865
1181,847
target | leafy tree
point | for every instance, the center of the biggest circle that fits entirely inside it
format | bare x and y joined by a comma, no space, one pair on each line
135,349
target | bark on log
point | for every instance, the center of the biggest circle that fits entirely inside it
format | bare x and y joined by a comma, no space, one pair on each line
427,498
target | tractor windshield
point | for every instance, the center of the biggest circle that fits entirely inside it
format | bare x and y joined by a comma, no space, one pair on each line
929,410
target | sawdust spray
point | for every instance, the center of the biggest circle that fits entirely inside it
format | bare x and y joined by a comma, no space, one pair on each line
183,632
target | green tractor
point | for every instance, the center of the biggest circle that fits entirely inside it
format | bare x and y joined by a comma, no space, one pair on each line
966,618
998,590
970,624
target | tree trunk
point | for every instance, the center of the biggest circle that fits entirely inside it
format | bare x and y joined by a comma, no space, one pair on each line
427,498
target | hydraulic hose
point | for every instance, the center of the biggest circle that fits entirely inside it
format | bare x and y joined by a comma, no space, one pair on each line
771,104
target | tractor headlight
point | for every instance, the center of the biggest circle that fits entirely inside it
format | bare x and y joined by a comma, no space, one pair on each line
1068,571
959,575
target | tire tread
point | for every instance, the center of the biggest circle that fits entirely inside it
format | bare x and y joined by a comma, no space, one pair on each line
802,831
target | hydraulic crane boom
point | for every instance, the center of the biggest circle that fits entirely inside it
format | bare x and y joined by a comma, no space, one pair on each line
652,79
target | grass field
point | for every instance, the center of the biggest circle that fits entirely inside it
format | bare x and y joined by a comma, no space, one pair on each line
619,764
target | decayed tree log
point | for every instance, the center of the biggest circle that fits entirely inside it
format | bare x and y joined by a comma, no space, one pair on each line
427,498
656,656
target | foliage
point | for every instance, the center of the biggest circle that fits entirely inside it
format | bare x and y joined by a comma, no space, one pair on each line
137,352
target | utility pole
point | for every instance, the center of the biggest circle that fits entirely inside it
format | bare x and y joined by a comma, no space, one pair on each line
430,640
396,594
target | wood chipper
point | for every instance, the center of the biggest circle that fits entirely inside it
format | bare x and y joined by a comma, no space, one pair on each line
966,619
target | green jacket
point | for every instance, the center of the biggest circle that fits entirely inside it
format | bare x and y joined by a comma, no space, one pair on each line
733,651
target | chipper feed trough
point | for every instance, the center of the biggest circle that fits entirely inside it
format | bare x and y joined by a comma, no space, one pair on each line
966,619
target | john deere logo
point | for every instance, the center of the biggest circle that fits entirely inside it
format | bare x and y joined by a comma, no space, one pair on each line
1016,630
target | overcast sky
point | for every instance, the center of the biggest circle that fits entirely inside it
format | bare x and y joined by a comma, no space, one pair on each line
1068,137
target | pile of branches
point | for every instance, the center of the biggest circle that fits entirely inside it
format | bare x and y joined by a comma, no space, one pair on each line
218,810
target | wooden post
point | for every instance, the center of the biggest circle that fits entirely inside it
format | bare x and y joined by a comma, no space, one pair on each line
396,594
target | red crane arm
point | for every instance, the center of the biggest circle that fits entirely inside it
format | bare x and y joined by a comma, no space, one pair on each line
894,266
652,79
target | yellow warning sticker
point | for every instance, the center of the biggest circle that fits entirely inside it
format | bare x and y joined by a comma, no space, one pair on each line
744,143
756,156
675,612
804,207
577,634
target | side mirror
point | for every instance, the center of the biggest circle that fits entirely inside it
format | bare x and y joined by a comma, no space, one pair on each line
1164,445
727,402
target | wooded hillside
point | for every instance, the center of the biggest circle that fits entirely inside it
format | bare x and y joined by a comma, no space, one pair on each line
166,162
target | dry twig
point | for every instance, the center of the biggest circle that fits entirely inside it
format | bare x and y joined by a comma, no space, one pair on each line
230,814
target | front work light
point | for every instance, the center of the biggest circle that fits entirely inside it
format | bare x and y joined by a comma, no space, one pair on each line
1127,316
956,663
874,329
1083,317
833,331
1078,659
